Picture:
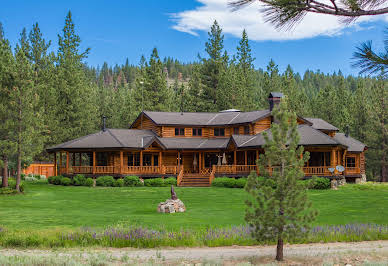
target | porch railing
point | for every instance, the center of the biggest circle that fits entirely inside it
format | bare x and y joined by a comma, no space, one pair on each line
234,169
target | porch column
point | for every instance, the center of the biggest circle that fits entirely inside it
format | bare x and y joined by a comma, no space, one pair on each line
333,160
121,162
160,159
60,162
235,157
246,157
67,162
199,161
55,163
94,162
141,158
179,159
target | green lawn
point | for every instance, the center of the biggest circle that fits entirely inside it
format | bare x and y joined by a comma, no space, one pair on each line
46,206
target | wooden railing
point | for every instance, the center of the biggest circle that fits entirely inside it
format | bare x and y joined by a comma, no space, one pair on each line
316,170
105,169
141,170
82,169
180,176
170,169
234,169
352,170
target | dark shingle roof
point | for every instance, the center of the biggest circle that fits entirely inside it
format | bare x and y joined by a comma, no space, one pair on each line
352,144
194,143
205,119
110,138
321,124
308,136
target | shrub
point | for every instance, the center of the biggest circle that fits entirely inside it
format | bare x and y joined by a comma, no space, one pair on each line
320,183
154,182
65,181
240,182
23,176
132,181
12,186
224,182
105,181
89,182
170,181
118,183
79,180
55,180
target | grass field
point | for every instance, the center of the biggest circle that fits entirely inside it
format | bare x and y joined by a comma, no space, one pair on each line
46,207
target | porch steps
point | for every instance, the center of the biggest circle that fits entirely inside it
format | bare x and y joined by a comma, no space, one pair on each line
195,180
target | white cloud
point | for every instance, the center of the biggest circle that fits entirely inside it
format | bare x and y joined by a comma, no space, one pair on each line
251,19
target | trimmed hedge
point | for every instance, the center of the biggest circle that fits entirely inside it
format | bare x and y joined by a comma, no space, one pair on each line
154,182
89,182
170,181
132,181
105,181
65,181
118,183
79,180
229,182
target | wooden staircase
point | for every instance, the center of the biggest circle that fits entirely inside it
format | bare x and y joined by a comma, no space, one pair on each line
195,180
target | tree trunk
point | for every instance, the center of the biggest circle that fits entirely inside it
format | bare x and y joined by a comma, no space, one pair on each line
279,250
19,150
5,172
384,144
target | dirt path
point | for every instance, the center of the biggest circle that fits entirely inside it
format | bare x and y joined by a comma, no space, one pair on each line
353,253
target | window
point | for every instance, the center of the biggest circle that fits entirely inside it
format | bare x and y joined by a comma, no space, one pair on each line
350,162
236,130
134,159
219,132
102,159
147,159
197,131
246,130
179,131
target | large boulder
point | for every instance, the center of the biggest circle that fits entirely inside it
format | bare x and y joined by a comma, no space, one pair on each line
171,206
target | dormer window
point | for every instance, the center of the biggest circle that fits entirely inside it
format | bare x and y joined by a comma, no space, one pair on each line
219,132
246,130
197,131
236,130
179,131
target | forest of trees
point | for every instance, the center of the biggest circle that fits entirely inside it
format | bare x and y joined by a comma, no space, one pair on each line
48,97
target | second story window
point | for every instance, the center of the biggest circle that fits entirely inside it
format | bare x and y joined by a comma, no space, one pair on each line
179,131
197,131
219,132
236,130
246,130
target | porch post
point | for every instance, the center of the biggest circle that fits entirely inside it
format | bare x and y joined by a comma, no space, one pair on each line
55,163
199,161
160,159
121,162
235,157
94,162
246,157
67,162
333,160
60,162
179,159
141,158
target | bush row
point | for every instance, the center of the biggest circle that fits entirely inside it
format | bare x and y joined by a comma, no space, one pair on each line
313,183
109,181
229,182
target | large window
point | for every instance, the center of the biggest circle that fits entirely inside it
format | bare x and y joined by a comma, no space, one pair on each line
179,131
219,132
197,131
350,161
134,159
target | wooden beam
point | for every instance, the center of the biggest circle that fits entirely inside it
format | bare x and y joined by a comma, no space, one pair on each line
67,162
55,163
94,162
199,161
141,158
179,159
235,157
121,162
160,159
246,157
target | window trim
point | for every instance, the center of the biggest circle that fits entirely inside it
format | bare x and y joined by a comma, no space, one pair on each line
247,132
197,130
179,130
351,157
236,129
219,132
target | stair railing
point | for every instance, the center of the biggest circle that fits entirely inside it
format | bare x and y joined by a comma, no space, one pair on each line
180,176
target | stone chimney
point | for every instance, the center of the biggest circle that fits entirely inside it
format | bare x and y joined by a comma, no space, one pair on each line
274,99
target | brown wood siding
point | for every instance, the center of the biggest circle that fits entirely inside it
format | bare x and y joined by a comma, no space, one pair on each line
147,124
261,125
187,161
362,162
169,158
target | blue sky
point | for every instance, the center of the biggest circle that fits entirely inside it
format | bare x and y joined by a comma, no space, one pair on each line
116,30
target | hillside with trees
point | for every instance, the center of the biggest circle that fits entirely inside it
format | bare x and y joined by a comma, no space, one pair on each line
51,97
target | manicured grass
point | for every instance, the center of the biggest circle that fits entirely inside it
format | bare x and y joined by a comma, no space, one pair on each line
47,206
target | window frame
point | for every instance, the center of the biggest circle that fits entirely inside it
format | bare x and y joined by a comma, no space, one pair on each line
179,130
353,158
197,130
247,130
236,131
219,130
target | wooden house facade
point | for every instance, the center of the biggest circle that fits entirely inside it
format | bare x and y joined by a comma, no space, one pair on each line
197,147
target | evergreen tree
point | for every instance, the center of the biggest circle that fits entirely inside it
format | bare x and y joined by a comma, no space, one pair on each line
278,207
76,99
25,112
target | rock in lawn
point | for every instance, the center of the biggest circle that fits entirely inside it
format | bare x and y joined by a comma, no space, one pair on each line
172,205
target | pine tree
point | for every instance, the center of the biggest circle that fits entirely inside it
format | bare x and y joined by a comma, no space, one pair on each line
7,68
25,112
76,99
278,208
